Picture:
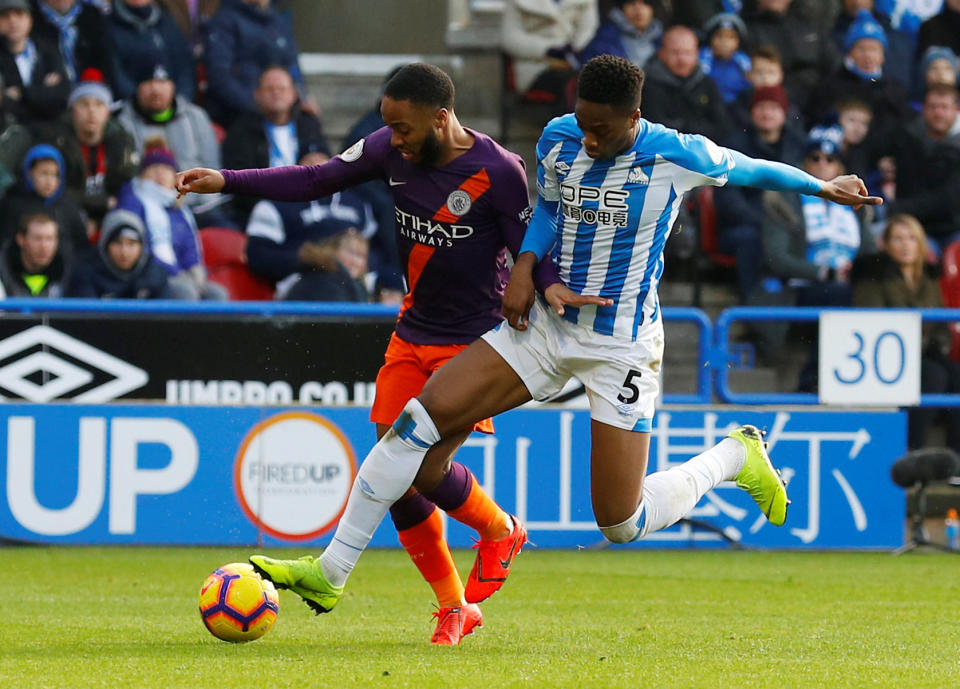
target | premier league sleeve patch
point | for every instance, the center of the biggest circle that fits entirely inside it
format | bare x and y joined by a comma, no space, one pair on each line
459,202
352,153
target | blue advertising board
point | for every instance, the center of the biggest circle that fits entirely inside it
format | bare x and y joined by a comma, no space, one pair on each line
159,474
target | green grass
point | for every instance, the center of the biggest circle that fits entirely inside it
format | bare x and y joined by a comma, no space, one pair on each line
127,617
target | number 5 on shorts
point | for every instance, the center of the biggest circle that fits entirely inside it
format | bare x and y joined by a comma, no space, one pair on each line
628,384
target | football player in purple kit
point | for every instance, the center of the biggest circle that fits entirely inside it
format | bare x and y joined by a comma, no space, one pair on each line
461,201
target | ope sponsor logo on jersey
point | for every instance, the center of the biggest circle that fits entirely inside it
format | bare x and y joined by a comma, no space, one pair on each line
293,475
431,232
611,205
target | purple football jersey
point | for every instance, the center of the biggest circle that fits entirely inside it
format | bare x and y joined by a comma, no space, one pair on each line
454,224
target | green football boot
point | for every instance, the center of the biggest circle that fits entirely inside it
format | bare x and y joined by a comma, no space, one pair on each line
304,577
759,478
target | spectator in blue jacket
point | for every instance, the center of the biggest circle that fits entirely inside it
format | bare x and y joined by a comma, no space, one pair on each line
242,39
721,58
77,27
142,33
123,267
630,31
170,226
311,249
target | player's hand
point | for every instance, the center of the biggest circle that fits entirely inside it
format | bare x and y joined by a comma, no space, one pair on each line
848,190
199,180
559,295
518,299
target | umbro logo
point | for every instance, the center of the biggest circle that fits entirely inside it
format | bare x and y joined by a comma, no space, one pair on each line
42,364
561,167
638,176
395,182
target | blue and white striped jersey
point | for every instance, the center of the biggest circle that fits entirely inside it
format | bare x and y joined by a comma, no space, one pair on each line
613,216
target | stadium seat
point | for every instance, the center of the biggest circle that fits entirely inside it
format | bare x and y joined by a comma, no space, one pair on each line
950,288
513,105
224,254
707,215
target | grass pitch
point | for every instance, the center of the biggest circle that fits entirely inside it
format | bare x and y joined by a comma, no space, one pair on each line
127,617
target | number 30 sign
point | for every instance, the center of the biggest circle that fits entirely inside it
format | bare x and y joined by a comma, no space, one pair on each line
870,358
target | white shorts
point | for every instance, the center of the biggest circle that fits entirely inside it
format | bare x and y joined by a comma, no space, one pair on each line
622,377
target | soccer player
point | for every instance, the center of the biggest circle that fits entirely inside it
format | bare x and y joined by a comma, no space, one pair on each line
461,200
610,186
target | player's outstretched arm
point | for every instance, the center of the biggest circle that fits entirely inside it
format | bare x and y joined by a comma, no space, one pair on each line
199,180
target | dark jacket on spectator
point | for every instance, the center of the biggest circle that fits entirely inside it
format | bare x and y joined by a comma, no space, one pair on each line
241,41
90,50
143,38
899,52
691,106
887,98
37,101
941,29
12,271
616,34
99,277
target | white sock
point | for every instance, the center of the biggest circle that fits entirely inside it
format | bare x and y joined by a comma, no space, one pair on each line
384,476
670,495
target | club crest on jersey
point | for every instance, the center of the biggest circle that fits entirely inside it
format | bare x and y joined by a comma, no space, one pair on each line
561,167
352,153
638,176
459,202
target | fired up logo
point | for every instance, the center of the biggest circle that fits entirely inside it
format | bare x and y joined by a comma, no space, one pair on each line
293,475
42,364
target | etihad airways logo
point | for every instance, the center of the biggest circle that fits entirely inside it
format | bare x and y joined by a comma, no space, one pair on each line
430,232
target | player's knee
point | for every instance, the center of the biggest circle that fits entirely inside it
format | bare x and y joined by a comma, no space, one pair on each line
628,530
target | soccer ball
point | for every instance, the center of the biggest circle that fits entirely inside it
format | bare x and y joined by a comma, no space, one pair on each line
237,604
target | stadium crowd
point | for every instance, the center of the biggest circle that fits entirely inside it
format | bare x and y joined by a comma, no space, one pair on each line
101,102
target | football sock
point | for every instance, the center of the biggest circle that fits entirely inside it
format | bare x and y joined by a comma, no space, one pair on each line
384,477
460,496
425,544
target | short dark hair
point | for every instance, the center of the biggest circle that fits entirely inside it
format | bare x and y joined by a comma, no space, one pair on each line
29,219
421,84
270,68
767,51
611,80
942,90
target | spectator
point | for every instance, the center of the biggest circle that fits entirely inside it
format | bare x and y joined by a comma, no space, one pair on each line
926,157
721,59
854,117
279,133
740,213
98,153
190,15
143,34
156,110
31,264
243,39
122,267
544,37
630,31
900,45
696,13
311,250
941,29
765,70
35,83
862,76
78,29
41,191
807,53
938,67
678,94
171,228
899,278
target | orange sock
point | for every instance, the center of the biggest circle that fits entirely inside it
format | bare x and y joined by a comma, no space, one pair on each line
429,551
480,512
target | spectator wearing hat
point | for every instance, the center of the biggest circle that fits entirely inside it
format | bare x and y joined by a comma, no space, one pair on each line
41,190
279,133
77,28
98,153
35,83
31,264
157,110
242,39
899,52
941,29
315,250
142,34
678,94
630,31
721,59
939,66
740,214
122,267
171,227
862,76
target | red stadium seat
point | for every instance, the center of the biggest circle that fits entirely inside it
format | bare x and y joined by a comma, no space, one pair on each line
224,254
707,213
950,287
